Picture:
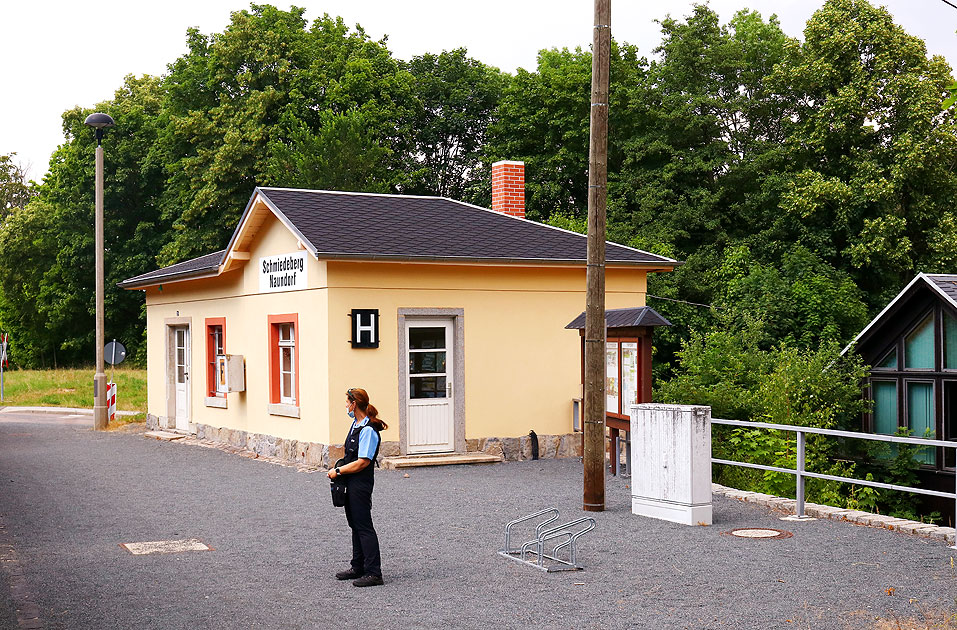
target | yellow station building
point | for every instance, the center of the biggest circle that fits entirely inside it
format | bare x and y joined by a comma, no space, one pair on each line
453,317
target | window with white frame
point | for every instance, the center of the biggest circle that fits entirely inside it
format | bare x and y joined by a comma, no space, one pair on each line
216,341
215,356
287,363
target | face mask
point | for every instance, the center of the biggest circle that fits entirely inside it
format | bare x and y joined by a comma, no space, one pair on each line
352,414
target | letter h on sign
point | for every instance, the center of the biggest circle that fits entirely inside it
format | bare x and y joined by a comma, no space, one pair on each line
365,327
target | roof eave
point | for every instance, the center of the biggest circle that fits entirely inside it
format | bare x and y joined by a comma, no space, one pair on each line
936,287
891,304
651,265
259,194
670,261
194,274
285,221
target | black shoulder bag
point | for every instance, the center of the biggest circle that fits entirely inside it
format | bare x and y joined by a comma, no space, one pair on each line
340,489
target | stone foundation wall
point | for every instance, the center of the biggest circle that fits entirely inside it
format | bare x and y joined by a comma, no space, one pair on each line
325,455
520,448
154,423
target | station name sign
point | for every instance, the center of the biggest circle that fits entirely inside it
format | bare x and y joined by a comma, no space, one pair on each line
285,272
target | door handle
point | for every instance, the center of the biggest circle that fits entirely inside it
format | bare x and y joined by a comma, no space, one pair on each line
448,389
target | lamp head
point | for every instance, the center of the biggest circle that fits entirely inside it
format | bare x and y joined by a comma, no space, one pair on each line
98,121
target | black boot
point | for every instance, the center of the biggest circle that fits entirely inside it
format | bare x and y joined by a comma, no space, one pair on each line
369,580
350,574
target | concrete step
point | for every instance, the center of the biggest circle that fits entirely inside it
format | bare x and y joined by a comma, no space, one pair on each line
166,436
438,459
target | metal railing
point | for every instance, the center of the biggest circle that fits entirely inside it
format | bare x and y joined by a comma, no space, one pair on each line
801,474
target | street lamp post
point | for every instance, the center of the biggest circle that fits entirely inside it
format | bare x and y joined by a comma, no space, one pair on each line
99,122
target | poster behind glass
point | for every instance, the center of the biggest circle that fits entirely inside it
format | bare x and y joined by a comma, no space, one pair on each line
629,375
222,377
611,377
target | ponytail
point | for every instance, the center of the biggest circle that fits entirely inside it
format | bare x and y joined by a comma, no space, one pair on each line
373,414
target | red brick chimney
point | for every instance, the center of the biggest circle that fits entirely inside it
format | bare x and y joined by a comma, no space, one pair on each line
508,188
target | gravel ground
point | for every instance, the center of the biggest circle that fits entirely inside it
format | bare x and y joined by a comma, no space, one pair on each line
69,496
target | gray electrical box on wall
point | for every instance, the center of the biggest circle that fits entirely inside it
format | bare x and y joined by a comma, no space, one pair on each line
236,373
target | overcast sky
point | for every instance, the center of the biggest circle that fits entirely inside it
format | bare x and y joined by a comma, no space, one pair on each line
60,54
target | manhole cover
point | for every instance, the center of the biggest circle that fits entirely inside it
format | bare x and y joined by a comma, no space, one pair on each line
759,532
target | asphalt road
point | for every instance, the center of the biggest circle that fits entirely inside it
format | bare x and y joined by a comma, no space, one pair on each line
69,497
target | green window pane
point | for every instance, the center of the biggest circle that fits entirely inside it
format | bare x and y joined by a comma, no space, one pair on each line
950,342
919,347
885,407
920,417
890,361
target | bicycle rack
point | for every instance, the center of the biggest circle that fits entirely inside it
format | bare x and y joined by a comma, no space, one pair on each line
548,559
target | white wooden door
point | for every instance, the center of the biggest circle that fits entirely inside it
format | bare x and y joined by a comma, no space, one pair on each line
181,375
430,410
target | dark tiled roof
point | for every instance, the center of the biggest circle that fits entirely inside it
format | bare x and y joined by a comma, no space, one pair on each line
947,283
195,266
624,318
369,227
399,226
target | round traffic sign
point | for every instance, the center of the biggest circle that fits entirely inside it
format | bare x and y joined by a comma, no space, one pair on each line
114,353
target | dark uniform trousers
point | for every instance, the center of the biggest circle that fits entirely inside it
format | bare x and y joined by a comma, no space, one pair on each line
365,542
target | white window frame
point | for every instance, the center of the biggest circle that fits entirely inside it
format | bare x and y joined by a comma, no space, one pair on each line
216,332
287,343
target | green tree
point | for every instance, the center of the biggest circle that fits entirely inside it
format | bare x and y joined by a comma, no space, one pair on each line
27,243
456,98
339,155
709,128
871,180
729,370
706,142
15,190
49,295
274,101
802,300
826,162
543,120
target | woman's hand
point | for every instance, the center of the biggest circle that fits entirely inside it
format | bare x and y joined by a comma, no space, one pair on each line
352,467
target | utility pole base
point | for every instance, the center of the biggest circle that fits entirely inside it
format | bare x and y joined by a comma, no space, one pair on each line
100,417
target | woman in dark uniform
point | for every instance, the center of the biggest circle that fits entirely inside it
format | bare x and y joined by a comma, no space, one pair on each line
355,468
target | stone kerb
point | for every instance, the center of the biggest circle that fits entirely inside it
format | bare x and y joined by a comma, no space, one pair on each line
867,519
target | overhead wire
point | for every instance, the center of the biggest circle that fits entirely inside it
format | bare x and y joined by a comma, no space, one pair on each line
709,306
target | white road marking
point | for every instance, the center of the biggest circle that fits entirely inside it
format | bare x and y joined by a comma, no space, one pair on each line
165,546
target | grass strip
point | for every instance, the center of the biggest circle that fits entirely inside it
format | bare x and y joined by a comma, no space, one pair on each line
72,388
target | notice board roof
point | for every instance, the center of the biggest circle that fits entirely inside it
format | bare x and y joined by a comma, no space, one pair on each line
624,318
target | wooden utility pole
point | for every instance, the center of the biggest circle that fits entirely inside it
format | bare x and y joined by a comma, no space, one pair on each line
595,334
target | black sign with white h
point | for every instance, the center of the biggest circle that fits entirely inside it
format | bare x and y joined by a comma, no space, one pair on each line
365,327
